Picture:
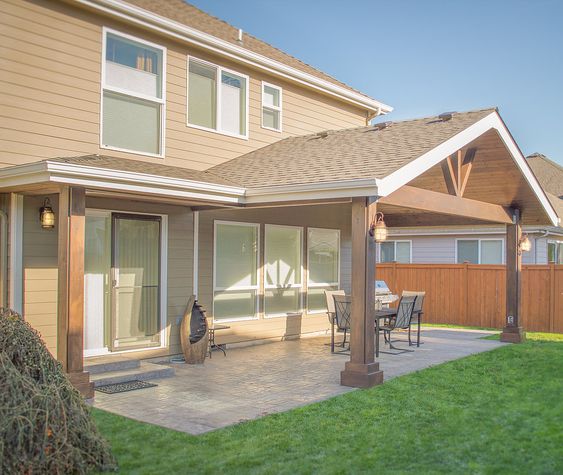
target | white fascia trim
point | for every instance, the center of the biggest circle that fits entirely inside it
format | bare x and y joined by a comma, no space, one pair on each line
312,191
417,167
163,25
107,179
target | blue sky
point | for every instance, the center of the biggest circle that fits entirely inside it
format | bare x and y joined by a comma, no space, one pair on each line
427,57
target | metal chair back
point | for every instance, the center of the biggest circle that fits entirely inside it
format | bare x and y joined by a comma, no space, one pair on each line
330,302
342,311
419,299
404,312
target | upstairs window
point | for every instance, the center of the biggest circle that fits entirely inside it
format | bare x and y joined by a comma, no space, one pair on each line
480,251
133,95
271,107
395,251
217,99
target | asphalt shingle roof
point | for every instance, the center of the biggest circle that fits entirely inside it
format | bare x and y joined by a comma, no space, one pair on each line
362,152
550,177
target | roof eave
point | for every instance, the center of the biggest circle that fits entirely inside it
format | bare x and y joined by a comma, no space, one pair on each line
171,28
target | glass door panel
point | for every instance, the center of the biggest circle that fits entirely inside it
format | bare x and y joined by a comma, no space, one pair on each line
136,282
97,290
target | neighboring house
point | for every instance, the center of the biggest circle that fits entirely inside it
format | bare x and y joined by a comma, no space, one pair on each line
482,244
179,155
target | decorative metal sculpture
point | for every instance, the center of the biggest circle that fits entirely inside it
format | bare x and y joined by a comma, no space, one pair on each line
194,334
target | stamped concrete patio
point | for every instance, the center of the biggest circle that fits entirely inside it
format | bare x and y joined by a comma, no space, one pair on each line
258,380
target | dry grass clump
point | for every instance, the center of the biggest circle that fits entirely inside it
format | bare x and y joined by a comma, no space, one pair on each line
45,426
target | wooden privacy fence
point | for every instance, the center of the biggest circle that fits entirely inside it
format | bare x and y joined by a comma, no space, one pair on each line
475,295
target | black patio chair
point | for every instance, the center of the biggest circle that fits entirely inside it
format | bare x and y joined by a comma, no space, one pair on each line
342,316
399,321
417,312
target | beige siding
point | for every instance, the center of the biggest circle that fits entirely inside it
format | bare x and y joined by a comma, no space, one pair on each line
40,272
321,216
50,55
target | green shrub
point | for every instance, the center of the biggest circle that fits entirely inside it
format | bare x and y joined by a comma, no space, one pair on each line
45,425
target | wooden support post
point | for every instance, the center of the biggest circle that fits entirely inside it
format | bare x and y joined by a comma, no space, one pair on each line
71,218
512,332
362,371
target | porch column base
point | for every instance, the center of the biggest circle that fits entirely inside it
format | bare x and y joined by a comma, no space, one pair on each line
81,381
358,375
513,335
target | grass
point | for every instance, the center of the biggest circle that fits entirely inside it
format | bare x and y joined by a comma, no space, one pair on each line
532,336
495,412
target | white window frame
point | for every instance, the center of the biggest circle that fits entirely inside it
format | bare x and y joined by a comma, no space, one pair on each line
117,90
292,286
479,240
558,245
273,108
256,287
220,70
323,284
395,251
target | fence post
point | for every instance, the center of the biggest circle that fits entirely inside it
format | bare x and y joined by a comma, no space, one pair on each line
552,296
466,291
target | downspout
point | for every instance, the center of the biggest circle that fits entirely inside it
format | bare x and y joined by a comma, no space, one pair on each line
3,258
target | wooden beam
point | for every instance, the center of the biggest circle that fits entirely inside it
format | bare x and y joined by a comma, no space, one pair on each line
449,176
512,332
466,167
362,371
72,215
432,201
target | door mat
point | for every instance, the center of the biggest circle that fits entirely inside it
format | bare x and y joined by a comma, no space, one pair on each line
124,387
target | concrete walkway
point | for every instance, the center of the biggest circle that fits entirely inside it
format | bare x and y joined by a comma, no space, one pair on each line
255,381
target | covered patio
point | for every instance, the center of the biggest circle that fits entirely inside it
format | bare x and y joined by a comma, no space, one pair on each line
254,381
454,169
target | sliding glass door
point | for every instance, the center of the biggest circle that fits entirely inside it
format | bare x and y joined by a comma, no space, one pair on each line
135,281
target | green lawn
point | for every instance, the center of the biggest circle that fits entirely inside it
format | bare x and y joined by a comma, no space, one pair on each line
496,412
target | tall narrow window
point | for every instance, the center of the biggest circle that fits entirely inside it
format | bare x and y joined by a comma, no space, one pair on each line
271,107
217,98
133,95
282,266
323,251
236,271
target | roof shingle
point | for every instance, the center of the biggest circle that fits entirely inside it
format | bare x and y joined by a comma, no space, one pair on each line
362,152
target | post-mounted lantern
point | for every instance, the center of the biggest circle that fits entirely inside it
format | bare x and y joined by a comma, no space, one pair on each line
378,229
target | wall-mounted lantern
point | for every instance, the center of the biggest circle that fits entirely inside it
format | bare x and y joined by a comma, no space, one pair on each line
378,229
47,215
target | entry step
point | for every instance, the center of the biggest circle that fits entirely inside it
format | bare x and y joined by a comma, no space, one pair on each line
142,372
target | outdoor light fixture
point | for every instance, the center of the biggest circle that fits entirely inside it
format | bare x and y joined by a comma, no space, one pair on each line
47,215
378,229
524,245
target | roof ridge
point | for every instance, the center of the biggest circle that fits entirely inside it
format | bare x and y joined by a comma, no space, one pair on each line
417,119
546,159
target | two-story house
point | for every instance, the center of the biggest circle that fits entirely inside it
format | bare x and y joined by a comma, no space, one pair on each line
150,151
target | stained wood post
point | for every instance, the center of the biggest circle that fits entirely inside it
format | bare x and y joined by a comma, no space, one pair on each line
70,351
362,371
512,331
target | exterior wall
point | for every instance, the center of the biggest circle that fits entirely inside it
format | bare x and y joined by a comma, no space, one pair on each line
40,271
321,216
50,93
40,268
438,245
